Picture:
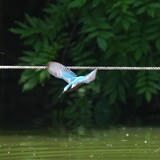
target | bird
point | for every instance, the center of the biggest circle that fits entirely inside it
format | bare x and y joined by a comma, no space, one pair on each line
60,71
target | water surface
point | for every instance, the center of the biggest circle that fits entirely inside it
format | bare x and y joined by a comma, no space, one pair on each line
117,144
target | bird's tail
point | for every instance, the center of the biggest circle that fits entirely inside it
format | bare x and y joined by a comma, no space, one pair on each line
91,76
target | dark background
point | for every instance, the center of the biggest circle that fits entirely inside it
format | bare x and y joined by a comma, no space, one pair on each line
15,108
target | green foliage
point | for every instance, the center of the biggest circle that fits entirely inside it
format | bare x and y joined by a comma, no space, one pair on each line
77,3
78,113
98,32
148,83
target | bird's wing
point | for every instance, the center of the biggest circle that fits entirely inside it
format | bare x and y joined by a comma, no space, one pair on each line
60,71
91,76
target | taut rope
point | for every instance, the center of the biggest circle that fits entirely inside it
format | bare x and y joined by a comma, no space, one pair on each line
82,67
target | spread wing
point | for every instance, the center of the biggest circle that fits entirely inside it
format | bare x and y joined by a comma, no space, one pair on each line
60,71
91,76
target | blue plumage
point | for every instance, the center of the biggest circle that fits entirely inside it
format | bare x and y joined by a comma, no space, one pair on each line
60,71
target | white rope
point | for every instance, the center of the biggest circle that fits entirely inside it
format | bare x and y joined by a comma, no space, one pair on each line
23,67
114,68
82,67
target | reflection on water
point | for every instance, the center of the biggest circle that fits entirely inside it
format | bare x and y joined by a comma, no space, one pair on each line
119,144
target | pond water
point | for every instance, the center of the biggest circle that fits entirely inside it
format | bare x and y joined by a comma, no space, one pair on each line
115,144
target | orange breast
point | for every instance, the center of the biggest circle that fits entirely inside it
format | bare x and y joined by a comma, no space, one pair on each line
76,87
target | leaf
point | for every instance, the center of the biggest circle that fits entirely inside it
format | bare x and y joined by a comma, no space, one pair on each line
16,30
104,26
154,85
137,3
154,5
126,24
151,12
93,35
114,14
141,82
102,43
148,96
142,90
37,45
141,10
106,34
31,83
22,25
31,20
77,3
153,36
25,76
43,75
88,29
95,3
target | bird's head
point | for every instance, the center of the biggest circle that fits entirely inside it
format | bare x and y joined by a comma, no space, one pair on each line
64,90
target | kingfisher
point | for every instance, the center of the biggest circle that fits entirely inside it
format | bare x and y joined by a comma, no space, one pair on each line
60,71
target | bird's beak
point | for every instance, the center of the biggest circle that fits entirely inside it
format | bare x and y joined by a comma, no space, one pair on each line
61,94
